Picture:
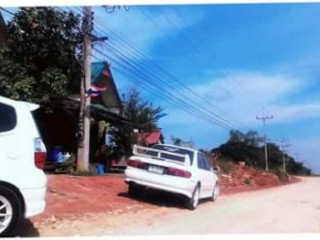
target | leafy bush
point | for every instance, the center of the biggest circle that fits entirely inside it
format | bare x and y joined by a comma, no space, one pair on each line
226,165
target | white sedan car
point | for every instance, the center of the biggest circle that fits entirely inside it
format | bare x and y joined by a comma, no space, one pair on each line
174,169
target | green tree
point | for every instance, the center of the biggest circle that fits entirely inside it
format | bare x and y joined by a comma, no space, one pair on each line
242,147
143,115
245,147
236,136
40,59
139,111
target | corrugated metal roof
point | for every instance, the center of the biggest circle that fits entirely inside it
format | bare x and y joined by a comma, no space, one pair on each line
96,71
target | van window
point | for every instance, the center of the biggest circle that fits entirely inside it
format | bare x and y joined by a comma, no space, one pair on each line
8,118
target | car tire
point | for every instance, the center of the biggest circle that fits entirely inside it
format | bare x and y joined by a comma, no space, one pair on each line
215,192
135,190
192,202
10,212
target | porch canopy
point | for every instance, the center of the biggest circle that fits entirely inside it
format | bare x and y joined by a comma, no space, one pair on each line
58,121
98,112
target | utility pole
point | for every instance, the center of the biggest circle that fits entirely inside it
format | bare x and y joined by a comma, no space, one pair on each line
284,145
84,121
264,118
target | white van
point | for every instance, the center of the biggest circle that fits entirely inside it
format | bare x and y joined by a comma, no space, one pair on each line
22,156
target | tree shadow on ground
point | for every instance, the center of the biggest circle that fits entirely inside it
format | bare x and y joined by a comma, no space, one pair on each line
27,229
159,198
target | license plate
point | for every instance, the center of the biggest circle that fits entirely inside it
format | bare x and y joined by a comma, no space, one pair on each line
156,169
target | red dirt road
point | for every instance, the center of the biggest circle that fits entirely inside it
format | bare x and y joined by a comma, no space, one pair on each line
71,196
293,208
96,205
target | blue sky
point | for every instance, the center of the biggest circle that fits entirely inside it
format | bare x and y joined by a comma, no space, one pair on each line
239,58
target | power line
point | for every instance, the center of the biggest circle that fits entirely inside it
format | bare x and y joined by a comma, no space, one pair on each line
217,116
158,78
180,84
113,50
244,91
146,80
156,89
197,49
221,119
173,102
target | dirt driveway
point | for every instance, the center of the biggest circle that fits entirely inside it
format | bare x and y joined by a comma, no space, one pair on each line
268,210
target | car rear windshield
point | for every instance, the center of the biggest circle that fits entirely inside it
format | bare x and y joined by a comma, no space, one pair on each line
174,150
8,118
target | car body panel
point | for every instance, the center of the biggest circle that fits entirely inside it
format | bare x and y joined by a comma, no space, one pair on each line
17,158
180,185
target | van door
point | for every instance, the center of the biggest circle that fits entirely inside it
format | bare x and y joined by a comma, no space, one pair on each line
8,122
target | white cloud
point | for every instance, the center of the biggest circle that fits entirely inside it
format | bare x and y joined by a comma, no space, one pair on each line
240,96
295,112
257,87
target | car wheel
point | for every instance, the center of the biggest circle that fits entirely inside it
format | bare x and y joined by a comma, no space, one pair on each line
135,190
10,211
215,192
192,202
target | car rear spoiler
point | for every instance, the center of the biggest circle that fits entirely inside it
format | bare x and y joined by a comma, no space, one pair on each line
156,153
31,106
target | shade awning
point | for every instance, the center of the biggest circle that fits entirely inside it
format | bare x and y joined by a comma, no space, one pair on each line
102,112
97,111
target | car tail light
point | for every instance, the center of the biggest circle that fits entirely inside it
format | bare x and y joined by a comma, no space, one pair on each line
40,153
178,172
136,164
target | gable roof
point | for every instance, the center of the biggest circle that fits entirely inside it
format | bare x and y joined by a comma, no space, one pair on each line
97,70
102,77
